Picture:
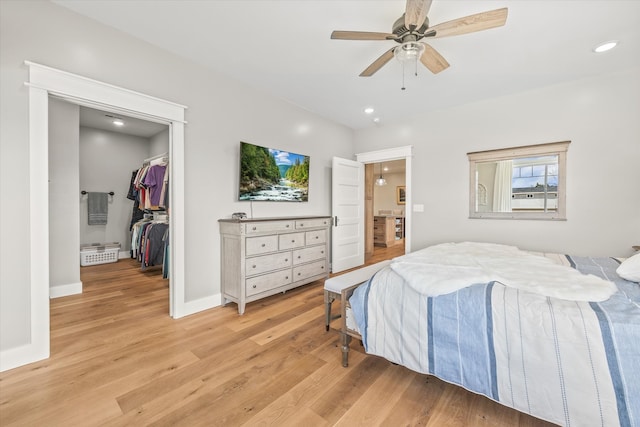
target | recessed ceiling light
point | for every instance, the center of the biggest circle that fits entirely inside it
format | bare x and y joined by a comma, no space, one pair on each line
603,47
369,110
118,122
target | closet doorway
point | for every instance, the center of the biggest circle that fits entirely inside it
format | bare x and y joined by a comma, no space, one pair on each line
108,196
45,82
100,160
124,160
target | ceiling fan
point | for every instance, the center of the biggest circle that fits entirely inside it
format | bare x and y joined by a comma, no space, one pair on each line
413,26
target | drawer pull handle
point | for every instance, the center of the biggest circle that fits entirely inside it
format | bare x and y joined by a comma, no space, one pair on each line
254,266
301,225
293,241
322,267
254,286
287,226
263,245
321,252
286,277
299,274
254,228
286,259
299,257
317,237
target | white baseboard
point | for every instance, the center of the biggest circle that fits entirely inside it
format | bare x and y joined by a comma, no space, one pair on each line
22,355
65,290
124,254
192,307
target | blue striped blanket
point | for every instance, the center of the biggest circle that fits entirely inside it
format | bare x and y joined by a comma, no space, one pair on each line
569,362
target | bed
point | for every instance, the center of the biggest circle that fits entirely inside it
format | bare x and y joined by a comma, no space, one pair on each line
545,343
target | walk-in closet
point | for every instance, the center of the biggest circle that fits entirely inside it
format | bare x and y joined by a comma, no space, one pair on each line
113,171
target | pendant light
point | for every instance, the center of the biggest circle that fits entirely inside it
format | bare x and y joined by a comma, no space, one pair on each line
381,181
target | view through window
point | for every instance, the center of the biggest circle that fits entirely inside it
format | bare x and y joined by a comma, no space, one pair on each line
534,184
518,183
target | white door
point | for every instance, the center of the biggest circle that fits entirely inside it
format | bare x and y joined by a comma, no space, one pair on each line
347,206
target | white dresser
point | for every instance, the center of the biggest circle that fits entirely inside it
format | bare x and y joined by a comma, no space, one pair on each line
261,257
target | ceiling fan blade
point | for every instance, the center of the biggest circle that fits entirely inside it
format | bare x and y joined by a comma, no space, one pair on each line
378,63
471,23
433,60
415,13
361,35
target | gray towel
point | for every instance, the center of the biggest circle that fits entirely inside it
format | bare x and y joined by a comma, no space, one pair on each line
97,206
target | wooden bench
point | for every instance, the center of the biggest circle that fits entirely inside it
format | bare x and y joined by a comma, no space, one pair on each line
341,287
334,286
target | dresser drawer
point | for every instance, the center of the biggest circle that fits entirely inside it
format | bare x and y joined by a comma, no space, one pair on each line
309,254
309,270
265,263
266,282
315,237
268,227
261,245
291,241
312,223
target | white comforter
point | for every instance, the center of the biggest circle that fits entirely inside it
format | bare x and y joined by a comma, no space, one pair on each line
448,267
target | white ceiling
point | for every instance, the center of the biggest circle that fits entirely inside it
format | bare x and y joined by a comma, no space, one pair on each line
283,47
97,119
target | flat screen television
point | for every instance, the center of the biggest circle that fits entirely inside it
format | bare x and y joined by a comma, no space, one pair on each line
268,174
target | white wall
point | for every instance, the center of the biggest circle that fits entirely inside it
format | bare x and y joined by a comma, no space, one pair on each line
221,112
599,115
159,143
107,160
64,198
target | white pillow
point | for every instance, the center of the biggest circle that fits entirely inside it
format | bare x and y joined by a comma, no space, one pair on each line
630,269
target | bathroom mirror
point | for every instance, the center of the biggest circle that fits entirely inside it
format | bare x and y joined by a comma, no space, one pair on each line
519,183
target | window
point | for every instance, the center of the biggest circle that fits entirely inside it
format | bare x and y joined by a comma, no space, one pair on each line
519,183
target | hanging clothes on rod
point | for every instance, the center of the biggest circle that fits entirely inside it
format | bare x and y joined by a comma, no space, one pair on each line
149,243
151,183
149,221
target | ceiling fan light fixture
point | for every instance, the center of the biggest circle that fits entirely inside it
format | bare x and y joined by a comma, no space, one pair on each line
408,51
369,110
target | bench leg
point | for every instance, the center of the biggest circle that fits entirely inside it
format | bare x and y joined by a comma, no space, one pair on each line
346,340
327,309
328,300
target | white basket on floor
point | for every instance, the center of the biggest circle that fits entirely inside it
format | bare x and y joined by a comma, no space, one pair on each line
99,253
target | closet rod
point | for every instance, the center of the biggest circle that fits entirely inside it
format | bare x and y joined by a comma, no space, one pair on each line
111,193
159,156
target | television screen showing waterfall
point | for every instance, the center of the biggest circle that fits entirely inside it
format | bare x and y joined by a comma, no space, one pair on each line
269,174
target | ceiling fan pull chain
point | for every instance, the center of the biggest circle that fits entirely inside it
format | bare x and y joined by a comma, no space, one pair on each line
403,88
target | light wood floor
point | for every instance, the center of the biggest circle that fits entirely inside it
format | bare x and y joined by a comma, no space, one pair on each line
118,359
